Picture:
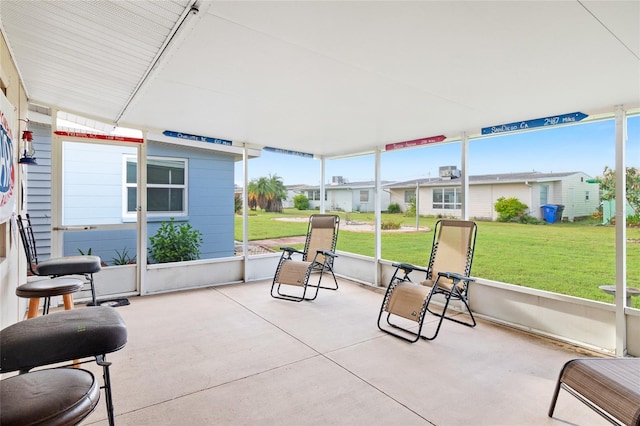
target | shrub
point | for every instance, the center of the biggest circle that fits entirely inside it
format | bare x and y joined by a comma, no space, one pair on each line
510,209
633,220
301,202
175,243
393,208
411,210
390,224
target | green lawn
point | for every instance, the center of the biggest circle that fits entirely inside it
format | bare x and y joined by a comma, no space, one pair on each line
567,258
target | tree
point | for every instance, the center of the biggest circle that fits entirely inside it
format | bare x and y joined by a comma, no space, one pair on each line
608,185
267,193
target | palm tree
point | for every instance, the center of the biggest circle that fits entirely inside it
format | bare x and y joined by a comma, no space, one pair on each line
267,193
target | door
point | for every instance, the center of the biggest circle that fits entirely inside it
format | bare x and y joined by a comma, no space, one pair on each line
92,214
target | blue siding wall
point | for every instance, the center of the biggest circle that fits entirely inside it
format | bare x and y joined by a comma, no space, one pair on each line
101,243
210,205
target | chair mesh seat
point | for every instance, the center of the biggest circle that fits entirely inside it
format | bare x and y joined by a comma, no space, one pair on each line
407,300
292,272
611,384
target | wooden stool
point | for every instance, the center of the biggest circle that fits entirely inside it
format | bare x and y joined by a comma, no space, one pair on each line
59,396
47,288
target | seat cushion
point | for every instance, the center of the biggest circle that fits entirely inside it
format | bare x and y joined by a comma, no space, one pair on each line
49,287
60,396
69,265
60,337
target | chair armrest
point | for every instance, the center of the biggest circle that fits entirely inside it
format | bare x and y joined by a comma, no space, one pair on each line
407,267
291,250
327,253
454,276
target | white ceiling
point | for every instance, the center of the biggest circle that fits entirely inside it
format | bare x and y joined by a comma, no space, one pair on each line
331,78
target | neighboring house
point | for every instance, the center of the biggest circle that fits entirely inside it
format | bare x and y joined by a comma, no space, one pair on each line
292,191
341,195
190,184
443,196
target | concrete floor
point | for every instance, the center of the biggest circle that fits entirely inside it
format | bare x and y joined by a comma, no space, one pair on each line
233,355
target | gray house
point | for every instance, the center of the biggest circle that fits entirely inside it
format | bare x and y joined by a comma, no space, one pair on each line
443,196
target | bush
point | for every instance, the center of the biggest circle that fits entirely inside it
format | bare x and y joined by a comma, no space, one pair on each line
175,243
393,208
301,202
411,210
510,209
390,224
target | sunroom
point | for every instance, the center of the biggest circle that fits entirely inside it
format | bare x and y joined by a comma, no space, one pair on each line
324,81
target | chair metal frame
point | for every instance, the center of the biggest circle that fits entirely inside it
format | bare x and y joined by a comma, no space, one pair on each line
29,243
321,262
416,297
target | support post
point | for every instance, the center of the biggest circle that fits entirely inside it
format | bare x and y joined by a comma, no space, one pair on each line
621,231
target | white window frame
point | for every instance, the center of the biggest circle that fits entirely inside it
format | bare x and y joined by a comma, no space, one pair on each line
444,205
127,215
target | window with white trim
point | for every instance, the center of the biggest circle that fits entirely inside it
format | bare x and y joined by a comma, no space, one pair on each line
447,198
166,186
544,194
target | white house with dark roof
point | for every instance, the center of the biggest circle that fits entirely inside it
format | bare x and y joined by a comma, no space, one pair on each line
443,195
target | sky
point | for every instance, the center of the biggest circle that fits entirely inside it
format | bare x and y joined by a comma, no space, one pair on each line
586,147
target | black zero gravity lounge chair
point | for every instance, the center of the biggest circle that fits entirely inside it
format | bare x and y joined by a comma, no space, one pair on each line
406,303
317,257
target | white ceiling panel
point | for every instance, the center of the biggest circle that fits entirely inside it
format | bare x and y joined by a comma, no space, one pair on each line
86,56
329,77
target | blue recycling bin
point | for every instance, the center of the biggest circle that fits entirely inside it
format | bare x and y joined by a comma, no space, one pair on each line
549,212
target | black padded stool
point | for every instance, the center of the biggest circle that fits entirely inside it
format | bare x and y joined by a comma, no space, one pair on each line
63,337
47,289
62,396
